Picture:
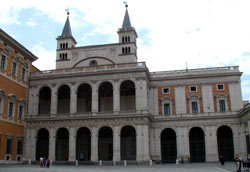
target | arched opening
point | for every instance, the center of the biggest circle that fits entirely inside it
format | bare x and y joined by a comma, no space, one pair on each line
105,97
84,98
128,143
44,101
63,104
197,145
105,144
168,145
127,95
225,143
83,144
62,145
42,144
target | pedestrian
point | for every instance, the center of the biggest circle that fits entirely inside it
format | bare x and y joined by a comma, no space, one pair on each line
48,162
41,162
238,163
222,160
44,162
248,162
244,163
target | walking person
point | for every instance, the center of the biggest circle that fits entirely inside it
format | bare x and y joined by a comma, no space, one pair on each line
222,160
48,162
41,162
44,162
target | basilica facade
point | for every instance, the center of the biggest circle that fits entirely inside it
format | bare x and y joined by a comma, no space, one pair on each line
100,103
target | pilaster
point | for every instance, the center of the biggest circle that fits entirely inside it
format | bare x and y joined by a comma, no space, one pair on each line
94,98
53,105
211,144
94,144
116,98
116,147
52,144
72,144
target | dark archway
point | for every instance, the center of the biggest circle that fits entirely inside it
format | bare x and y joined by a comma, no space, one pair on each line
62,145
105,144
105,97
168,145
225,143
197,145
42,144
84,98
63,101
128,143
127,95
44,100
83,144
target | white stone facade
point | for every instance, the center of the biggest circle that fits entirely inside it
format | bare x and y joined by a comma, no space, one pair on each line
124,114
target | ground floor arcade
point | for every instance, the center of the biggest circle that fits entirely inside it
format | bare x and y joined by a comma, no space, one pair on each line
137,139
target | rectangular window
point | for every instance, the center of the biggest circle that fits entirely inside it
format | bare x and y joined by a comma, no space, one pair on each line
23,74
14,65
20,112
222,105
1,106
11,105
194,107
165,90
3,62
193,88
8,145
166,109
19,147
220,87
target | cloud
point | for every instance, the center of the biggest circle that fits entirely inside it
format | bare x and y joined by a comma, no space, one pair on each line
31,23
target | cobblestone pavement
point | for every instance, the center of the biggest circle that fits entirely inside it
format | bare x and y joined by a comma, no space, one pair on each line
193,167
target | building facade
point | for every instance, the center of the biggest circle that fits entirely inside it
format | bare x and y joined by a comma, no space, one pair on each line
100,103
15,66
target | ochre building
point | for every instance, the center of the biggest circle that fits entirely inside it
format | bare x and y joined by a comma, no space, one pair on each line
100,103
15,66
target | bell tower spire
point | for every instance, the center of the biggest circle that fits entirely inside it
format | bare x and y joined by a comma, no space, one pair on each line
64,42
127,37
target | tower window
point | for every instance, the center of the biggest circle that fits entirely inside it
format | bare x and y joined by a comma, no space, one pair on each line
128,38
66,45
122,39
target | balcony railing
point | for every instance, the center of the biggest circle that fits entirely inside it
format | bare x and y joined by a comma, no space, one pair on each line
91,69
227,69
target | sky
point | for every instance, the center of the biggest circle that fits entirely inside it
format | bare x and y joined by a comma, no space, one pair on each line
172,34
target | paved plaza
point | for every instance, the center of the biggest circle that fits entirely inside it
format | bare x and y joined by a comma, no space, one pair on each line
193,167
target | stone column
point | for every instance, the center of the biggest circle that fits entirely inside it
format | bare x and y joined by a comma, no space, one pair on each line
144,94
53,106
94,144
94,98
183,143
116,143
211,144
236,139
138,95
116,97
242,140
139,143
72,144
52,144
146,143
35,101
33,144
73,100
27,141
157,143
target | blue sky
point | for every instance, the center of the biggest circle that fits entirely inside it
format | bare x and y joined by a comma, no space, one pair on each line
203,33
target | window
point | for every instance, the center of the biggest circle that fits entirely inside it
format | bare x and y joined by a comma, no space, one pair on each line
23,74
3,60
222,105
9,145
19,147
221,101
166,90
193,88
166,104
11,105
166,109
14,68
220,86
93,63
20,112
194,104
194,107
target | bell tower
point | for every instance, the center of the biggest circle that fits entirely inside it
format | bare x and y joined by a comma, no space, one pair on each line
64,42
127,36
